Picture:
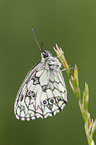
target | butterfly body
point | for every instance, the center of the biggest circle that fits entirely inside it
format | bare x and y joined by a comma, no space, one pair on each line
43,92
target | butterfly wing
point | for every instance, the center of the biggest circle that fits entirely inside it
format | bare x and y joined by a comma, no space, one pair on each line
43,93
25,96
55,92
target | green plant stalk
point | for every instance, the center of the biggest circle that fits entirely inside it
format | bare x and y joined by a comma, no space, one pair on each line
90,126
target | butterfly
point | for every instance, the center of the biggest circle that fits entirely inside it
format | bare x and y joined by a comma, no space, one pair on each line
43,92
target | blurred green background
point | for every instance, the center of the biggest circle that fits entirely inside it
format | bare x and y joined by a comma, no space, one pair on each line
72,25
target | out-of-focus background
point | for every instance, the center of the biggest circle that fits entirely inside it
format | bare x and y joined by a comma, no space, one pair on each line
72,25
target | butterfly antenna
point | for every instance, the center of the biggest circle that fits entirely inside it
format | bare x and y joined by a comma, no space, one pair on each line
36,40
42,45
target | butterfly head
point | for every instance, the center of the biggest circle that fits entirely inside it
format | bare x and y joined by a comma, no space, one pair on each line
46,54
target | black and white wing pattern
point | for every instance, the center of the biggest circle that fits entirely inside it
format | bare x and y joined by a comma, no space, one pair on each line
43,92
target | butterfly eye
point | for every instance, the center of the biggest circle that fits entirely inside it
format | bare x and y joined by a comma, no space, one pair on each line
58,99
45,54
29,93
45,102
33,95
51,101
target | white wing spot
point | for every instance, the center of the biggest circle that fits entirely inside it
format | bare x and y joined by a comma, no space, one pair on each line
61,88
30,85
27,101
24,90
30,113
22,114
52,77
54,107
48,114
43,96
18,111
31,107
60,103
63,106
39,111
44,78
38,91
49,93
17,117
56,79
38,115
23,118
39,73
56,112
28,119
64,95
46,110
56,93
61,79
33,118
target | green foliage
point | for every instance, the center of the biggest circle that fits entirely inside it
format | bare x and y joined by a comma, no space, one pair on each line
89,124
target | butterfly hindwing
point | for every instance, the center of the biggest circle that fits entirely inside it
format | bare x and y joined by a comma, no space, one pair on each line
43,93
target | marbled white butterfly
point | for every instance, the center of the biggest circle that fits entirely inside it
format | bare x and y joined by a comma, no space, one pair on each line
43,92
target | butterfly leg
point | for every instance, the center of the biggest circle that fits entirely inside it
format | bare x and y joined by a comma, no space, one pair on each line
67,68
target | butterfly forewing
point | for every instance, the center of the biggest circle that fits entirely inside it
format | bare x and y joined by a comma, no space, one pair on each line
43,92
